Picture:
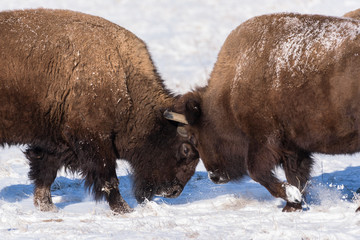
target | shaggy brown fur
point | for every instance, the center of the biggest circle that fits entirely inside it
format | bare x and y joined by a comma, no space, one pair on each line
284,86
83,92
353,14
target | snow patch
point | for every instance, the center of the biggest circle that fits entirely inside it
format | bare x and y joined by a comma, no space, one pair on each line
300,47
293,194
307,44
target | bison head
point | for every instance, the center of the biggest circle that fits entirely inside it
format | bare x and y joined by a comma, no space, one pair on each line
223,156
168,161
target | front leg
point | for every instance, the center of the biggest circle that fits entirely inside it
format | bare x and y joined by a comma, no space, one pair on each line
113,196
97,162
297,166
104,183
261,162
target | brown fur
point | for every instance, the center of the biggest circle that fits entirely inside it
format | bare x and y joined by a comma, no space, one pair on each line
83,92
353,14
284,86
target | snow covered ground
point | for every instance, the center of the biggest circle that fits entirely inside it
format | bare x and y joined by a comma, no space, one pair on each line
184,38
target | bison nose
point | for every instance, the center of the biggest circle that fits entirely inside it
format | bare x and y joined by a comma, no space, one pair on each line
218,178
214,177
142,194
170,192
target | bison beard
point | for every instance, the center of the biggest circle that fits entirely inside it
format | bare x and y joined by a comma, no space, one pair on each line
82,92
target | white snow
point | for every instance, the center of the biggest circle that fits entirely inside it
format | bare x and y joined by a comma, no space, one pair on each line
290,52
293,194
184,38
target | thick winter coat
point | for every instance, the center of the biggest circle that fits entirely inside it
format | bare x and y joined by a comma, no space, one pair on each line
284,86
82,92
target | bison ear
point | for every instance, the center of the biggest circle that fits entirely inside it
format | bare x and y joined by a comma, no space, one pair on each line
186,109
192,108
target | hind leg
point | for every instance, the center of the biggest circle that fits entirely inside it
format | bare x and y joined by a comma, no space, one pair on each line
297,167
43,170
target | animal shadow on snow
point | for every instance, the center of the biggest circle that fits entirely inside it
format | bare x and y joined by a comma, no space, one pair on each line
64,191
335,186
15,193
325,189
200,187
70,191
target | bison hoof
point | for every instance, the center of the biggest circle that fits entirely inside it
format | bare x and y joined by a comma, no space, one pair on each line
42,200
45,207
121,208
293,195
292,207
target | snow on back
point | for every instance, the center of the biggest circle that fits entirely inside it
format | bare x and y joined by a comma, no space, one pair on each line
300,45
307,43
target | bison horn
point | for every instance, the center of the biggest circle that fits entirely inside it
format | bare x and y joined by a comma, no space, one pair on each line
177,117
182,131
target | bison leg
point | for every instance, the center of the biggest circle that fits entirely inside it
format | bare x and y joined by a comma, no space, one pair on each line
113,196
261,163
297,168
106,184
42,199
43,170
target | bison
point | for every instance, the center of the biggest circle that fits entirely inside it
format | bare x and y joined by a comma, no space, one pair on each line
284,86
82,92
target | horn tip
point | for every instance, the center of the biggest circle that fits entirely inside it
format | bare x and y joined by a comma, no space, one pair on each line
168,115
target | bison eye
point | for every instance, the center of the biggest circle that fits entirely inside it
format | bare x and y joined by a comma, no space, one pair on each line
185,150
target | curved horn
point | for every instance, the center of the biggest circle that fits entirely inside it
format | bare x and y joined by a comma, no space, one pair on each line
182,131
177,117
